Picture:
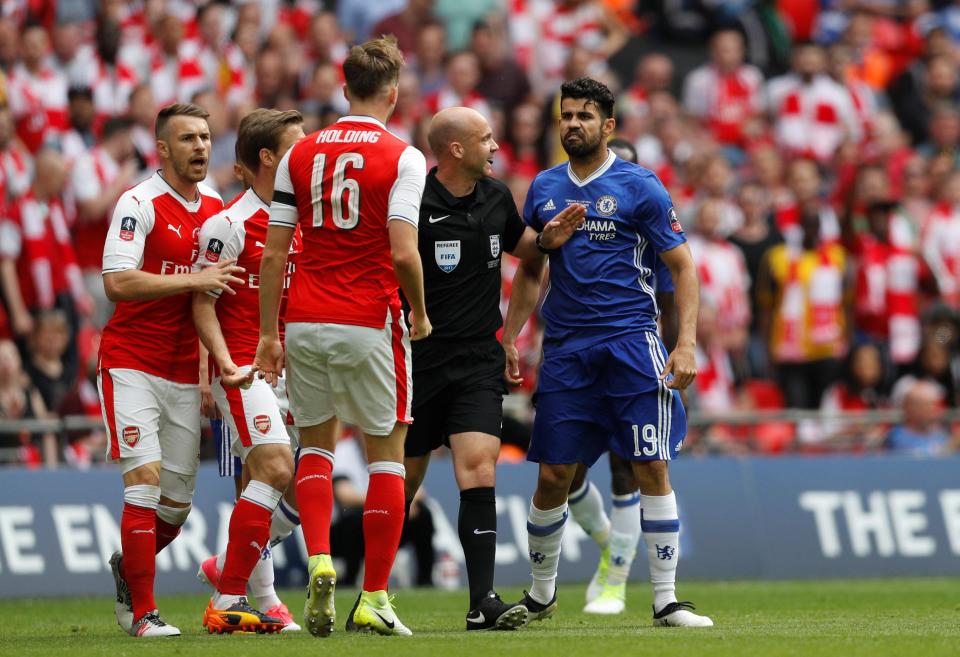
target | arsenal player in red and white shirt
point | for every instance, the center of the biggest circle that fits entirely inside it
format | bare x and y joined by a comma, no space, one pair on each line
149,356
354,189
229,328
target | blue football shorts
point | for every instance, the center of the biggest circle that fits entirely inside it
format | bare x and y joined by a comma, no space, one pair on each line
607,397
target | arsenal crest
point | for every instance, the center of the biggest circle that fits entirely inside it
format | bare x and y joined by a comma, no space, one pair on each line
131,435
494,245
262,423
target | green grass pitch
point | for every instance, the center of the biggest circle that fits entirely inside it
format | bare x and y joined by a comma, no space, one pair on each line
902,617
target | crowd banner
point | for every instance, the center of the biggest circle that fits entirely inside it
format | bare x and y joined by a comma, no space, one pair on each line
769,518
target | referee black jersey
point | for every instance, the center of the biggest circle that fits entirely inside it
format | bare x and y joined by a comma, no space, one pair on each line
461,241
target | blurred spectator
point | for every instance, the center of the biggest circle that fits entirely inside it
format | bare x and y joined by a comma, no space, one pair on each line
70,56
886,289
768,168
38,264
914,98
358,17
520,151
223,139
862,387
934,364
98,179
460,86
812,114
221,62
79,138
174,75
653,73
545,32
726,94
941,241
406,23
16,165
944,134
46,348
111,80
143,112
723,280
716,185
325,92
20,400
868,63
842,69
754,238
713,390
428,62
36,92
802,291
502,80
920,433
408,114
803,178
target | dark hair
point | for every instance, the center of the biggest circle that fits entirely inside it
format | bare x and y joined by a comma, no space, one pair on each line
620,142
591,90
262,128
79,91
372,66
114,125
177,109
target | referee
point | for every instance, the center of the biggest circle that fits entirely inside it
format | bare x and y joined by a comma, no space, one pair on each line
467,220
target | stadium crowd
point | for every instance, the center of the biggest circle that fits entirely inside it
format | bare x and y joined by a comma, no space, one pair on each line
811,149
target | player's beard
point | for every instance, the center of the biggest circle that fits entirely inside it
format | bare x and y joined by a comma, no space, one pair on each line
186,171
582,149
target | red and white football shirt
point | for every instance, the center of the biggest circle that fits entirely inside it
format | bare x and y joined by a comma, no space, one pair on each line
240,231
724,101
91,175
38,103
154,229
36,235
342,185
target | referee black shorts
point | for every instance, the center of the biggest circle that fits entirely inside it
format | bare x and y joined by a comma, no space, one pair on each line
457,388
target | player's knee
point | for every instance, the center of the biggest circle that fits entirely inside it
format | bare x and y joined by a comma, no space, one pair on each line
277,473
555,479
653,477
622,479
579,478
173,513
176,488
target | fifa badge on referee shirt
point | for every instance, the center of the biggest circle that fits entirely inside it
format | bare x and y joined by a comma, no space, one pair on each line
447,255
494,245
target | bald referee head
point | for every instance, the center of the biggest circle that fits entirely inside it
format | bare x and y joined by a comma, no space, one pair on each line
462,142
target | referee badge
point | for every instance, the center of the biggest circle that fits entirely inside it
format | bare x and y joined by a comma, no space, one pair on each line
494,245
447,255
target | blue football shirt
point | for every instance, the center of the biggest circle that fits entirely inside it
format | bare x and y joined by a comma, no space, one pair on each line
603,280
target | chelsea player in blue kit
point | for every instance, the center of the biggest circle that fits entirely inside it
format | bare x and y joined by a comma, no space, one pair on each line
606,382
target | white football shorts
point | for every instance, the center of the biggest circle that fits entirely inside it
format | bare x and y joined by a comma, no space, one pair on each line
253,415
150,419
359,374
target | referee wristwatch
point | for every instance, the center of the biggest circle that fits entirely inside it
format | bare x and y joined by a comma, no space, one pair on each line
541,247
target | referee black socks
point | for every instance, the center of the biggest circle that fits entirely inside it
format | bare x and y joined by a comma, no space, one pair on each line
477,525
